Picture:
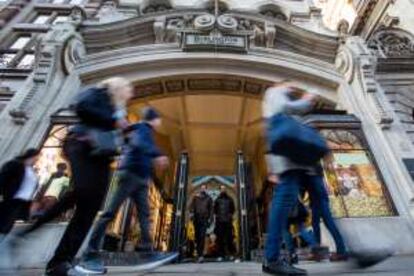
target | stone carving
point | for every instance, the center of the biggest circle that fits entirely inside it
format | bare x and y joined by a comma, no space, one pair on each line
258,38
392,43
109,13
270,32
343,27
205,22
358,66
168,30
227,23
159,29
152,6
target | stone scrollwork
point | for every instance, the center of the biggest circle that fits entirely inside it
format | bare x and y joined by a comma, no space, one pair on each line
391,43
358,66
227,23
205,22
73,53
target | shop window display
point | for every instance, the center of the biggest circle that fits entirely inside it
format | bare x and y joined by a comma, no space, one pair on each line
50,156
353,183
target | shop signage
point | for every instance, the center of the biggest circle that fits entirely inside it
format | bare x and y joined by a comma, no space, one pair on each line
214,42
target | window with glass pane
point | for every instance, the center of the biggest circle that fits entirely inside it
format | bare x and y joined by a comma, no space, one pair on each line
5,60
20,43
26,62
41,19
353,183
76,2
60,18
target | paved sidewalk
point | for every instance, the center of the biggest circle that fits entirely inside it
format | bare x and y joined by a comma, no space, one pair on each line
396,266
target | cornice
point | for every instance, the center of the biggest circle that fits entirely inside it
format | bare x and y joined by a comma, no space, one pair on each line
140,31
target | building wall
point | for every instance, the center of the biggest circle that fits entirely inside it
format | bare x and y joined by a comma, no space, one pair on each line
345,69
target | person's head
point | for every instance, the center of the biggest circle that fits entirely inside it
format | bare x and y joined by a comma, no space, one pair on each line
223,189
61,167
120,89
203,188
29,157
151,116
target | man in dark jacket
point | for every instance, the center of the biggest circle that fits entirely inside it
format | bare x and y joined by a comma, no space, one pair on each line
135,172
201,212
224,211
18,183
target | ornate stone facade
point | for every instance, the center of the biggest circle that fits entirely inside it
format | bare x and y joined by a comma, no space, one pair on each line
172,49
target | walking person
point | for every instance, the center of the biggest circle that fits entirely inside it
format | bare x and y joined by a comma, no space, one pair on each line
134,175
223,211
201,211
100,108
292,175
18,183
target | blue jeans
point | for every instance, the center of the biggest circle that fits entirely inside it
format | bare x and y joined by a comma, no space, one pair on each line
285,197
130,185
320,209
303,232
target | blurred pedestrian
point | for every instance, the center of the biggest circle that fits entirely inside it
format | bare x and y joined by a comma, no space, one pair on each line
101,111
293,174
18,183
201,211
134,176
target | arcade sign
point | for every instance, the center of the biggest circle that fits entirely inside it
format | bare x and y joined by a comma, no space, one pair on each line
214,42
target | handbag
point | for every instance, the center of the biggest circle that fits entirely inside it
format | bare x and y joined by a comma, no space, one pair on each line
294,140
104,143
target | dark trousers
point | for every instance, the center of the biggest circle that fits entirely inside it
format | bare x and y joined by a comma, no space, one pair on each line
225,239
200,228
135,187
285,197
320,209
90,182
10,211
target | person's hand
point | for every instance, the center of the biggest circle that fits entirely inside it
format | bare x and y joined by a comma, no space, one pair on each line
122,123
273,178
161,162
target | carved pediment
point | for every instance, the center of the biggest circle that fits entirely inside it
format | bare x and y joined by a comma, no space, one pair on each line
392,43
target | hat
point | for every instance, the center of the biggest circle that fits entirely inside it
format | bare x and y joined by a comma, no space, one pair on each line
149,114
29,153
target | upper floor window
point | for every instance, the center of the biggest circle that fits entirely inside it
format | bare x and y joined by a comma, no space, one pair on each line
19,54
20,43
41,19
60,18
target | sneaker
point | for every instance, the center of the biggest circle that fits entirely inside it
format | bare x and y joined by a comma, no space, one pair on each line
92,266
60,269
282,268
367,259
338,257
293,259
200,260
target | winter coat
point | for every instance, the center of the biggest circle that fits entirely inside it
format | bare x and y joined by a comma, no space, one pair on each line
202,207
224,208
140,151
11,177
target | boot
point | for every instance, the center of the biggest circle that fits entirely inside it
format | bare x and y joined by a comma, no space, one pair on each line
281,267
